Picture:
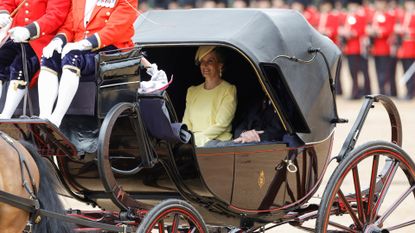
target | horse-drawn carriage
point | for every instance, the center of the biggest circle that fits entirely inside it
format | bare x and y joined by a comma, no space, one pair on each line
128,154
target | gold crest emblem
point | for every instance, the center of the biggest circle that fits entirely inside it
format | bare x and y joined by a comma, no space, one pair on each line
261,179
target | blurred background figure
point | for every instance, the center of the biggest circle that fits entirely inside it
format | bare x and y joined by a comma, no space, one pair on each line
309,11
262,4
328,24
380,31
239,4
367,10
280,4
395,42
351,35
406,52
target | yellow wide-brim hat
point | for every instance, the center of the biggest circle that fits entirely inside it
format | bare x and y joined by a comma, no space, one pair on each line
203,51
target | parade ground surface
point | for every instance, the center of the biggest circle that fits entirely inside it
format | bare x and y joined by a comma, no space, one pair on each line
376,127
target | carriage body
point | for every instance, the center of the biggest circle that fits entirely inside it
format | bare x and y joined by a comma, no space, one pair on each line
233,185
270,53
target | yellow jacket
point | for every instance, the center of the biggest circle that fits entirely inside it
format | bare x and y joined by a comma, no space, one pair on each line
209,113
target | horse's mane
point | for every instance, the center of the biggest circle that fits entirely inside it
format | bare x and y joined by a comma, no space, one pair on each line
49,187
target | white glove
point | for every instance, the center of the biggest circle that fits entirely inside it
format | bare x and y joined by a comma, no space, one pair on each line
152,69
54,45
80,45
156,74
19,34
5,20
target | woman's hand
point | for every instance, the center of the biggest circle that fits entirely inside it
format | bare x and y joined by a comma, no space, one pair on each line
249,136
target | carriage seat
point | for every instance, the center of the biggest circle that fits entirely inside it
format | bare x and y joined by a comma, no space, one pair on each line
116,80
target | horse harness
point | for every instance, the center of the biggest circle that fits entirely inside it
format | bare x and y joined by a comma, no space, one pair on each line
32,205
29,186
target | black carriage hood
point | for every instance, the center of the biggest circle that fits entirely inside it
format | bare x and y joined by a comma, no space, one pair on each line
262,36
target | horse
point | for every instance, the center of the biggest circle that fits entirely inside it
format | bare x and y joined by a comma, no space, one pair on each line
41,184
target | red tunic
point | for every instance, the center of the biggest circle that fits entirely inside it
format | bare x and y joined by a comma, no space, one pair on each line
311,15
407,49
384,24
355,23
328,24
106,26
42,17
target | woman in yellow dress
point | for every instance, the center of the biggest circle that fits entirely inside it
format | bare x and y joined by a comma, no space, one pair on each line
210,106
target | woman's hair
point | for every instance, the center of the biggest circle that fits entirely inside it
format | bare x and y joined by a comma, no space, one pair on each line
219,55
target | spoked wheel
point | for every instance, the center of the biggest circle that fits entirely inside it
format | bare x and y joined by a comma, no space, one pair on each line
371,191
173,216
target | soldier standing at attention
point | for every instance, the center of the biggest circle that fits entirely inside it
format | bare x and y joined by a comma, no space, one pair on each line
352,34
380,32
396,10
406,52
34,25
92,26
328,24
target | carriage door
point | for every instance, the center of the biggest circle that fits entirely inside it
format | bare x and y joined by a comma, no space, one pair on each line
259,182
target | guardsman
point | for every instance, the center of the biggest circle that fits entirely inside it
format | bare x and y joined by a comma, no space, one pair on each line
395,41
406,52
351,34
380,31
328,20
328,24
92,26
33,21
309,13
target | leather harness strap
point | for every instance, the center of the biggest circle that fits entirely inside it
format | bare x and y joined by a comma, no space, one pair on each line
29,206
32,205
30,188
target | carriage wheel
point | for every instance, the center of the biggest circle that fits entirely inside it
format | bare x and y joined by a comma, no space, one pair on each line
370,192
172,216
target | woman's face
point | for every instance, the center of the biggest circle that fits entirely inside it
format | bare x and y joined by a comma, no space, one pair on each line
210,66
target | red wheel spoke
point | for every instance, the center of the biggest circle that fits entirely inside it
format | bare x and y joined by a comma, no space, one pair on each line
350,210
337,225
161,226
394,206
375,166
389,177
175,224
358,195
